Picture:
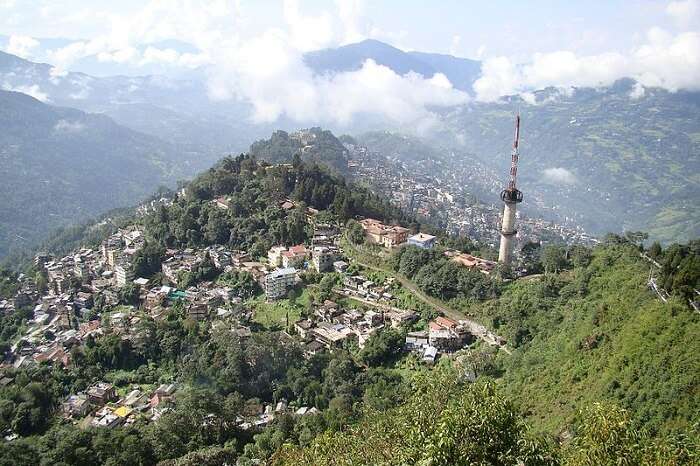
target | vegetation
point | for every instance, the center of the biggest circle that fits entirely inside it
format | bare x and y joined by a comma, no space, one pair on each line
315,146
445,422
62,166
255,220
596,333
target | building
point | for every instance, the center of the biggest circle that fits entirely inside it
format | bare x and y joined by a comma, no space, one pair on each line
124,274
422,240
278,281
322,259
482,265
295,257
101,393
274,256
447,335
388,236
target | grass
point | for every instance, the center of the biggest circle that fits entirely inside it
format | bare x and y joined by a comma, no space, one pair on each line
273,314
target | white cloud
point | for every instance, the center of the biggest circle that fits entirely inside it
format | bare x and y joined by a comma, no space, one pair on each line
271,74
684,12
559,176
68,127
665,60
33,90
21,46
637,91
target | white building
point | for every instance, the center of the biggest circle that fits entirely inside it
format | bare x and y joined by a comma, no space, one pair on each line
278,281
422,240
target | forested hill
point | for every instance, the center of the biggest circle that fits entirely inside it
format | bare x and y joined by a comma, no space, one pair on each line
60,166
313,144
255,218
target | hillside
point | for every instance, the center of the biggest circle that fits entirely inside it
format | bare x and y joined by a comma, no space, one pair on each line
61,166
608,160
312,145
597,333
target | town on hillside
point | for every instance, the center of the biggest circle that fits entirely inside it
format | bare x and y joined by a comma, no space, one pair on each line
91,293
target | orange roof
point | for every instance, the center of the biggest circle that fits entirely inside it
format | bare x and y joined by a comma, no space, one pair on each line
445,322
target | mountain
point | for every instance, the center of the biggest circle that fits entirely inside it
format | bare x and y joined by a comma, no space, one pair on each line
461,72
611,160
60,166
314,144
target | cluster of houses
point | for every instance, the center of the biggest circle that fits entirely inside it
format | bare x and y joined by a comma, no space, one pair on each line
332,326
106,409
322,256
443,335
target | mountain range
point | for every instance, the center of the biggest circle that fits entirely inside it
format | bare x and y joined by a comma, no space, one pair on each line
606,158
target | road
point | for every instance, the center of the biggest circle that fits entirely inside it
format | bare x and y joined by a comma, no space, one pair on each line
475,328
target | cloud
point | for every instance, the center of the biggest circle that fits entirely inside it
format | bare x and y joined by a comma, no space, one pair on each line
637,91
684,13
33,90
68,127
664,59
559,176
21,46
271,74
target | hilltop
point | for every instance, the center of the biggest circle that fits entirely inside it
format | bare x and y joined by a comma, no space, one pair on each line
313,145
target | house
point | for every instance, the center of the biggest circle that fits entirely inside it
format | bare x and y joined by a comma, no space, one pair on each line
295,256
429,355
422,240
378,233
340,266
447,335
416,341
222,203
302,327
482,265
198,310
124,274
101,393
278,281
274,256
76,406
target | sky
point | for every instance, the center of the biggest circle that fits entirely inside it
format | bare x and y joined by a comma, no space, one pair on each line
254,49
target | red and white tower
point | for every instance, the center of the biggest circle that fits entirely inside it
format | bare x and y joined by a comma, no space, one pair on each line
511,197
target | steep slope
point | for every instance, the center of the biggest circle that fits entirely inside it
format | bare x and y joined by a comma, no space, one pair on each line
598,334
60,166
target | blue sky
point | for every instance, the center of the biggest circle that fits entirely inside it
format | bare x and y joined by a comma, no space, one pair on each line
474,29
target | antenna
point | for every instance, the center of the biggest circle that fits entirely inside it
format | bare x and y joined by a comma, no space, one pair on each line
511,193
514,154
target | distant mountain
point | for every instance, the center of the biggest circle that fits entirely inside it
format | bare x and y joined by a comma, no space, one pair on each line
60,166
177,110
314,145
461,72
